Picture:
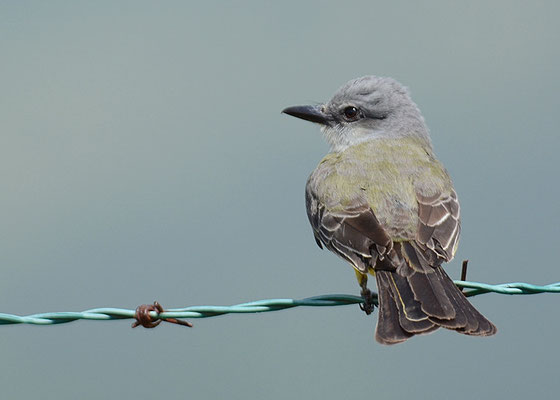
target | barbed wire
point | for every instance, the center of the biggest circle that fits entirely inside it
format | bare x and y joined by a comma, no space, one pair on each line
154,314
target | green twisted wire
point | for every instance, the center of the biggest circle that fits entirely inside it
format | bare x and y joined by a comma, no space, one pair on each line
106,314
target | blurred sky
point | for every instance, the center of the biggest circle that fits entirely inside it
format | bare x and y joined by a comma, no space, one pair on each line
143,156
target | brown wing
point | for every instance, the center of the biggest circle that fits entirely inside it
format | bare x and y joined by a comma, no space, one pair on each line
440,224
354,233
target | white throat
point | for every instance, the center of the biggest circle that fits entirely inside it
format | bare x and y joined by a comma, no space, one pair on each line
340,138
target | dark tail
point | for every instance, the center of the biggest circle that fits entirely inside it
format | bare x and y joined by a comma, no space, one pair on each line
413,302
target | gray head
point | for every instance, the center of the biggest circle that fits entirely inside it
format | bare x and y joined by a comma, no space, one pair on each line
366,108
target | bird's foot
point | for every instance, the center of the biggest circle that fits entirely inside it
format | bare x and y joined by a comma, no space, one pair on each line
368,305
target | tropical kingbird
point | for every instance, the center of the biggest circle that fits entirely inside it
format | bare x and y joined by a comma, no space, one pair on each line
383,202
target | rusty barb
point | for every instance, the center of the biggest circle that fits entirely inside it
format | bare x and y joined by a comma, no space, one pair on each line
145,319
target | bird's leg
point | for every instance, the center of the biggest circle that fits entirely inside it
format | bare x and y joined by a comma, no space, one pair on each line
368,305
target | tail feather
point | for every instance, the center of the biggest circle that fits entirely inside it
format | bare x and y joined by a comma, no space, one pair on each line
421,302
429,291
390,331
477,324
411,317
464,319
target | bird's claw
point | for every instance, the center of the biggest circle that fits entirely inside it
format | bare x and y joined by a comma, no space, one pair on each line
368,305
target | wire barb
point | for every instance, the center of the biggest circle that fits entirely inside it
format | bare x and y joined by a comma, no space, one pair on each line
464,272
145,319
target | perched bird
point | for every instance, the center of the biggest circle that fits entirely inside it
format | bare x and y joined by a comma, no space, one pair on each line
383,202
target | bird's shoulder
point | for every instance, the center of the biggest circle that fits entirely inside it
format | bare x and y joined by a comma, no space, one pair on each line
380,168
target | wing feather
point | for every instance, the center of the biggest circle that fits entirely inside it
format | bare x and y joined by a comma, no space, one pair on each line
353,233
440,225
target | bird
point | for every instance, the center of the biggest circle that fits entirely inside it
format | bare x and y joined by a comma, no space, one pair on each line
382,201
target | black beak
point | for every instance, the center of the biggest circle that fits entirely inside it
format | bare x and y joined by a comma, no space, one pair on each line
308,113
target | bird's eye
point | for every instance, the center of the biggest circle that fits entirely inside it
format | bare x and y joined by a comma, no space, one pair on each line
351,113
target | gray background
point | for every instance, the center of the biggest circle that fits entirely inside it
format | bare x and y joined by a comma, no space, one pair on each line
143,156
